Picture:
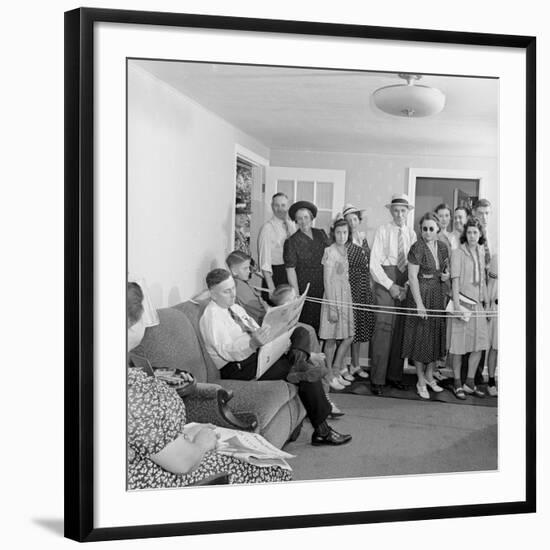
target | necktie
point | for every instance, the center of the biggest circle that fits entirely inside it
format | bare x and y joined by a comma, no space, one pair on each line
240,321
401,260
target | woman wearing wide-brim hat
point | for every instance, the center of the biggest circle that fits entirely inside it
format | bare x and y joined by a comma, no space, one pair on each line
302,254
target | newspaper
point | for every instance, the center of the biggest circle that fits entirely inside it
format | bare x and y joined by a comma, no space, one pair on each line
250,447
465,304
281,321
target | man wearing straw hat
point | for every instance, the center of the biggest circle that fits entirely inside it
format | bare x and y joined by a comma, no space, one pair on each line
388,268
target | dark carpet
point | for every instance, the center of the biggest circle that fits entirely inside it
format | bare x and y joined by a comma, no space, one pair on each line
362,387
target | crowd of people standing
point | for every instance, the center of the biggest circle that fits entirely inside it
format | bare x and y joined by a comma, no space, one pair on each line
394,296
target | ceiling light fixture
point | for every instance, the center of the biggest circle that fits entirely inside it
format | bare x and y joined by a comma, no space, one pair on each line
409,100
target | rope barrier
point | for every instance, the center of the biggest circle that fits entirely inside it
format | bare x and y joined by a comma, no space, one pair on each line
439,313
398,310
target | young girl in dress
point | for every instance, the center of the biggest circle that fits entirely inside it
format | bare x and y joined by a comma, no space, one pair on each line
337,315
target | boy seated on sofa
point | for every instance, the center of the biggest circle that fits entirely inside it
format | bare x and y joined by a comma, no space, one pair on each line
249,298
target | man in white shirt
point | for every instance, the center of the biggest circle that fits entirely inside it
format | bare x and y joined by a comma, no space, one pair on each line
272,236
232,339
388,268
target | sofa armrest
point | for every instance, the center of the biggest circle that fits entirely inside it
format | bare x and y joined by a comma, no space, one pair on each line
209,404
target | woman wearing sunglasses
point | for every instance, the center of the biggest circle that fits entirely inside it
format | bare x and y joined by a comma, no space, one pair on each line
424,336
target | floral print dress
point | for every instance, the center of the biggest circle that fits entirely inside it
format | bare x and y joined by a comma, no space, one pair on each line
156,417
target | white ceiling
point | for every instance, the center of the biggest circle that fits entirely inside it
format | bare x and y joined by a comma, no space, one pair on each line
327,110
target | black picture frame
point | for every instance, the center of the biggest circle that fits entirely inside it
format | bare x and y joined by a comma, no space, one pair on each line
79,271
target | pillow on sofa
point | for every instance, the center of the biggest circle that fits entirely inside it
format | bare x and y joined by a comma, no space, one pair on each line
173,344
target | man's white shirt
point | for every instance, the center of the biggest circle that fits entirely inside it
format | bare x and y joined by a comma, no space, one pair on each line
385,250
271,240
224,339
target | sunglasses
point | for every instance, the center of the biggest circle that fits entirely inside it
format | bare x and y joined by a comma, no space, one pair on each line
428,228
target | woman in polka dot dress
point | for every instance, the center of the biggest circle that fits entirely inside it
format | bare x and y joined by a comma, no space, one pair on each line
361,289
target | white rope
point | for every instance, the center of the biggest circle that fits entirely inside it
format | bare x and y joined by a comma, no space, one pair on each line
436,313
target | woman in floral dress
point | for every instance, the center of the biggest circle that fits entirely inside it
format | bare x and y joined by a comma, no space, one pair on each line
162,450
336,313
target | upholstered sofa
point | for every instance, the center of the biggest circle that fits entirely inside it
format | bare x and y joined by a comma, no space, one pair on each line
271,408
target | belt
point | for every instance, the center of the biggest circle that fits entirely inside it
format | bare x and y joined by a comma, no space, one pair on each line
427,276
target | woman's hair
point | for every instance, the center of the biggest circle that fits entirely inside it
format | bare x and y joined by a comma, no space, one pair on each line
443,206
279,294
473,222
467,211
430,216
134,303
340,222
216,276
237,257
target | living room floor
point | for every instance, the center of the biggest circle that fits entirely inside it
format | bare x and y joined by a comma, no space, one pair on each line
400,437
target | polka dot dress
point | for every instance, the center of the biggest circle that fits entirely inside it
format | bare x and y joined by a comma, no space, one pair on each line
424,339
361,291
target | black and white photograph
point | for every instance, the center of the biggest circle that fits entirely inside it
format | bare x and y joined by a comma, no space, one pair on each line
312,260
304,245
274,275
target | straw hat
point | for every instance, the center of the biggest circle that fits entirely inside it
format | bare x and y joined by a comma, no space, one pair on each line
350,209
400,200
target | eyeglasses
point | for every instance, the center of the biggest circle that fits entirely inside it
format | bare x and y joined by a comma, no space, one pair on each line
428,228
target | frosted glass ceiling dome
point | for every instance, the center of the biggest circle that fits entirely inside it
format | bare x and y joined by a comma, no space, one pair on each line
409,100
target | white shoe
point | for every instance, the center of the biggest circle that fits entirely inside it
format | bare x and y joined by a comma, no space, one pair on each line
343,381
346,375
475,391
358,371
422,391
433,385
492,391
334,383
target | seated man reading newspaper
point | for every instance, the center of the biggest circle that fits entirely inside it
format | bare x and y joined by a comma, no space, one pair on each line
233,340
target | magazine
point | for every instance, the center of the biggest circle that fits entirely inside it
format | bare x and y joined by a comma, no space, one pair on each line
250,447
466,306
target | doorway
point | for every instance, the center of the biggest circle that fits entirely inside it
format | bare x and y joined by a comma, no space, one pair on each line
431,192
249,207
429,188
